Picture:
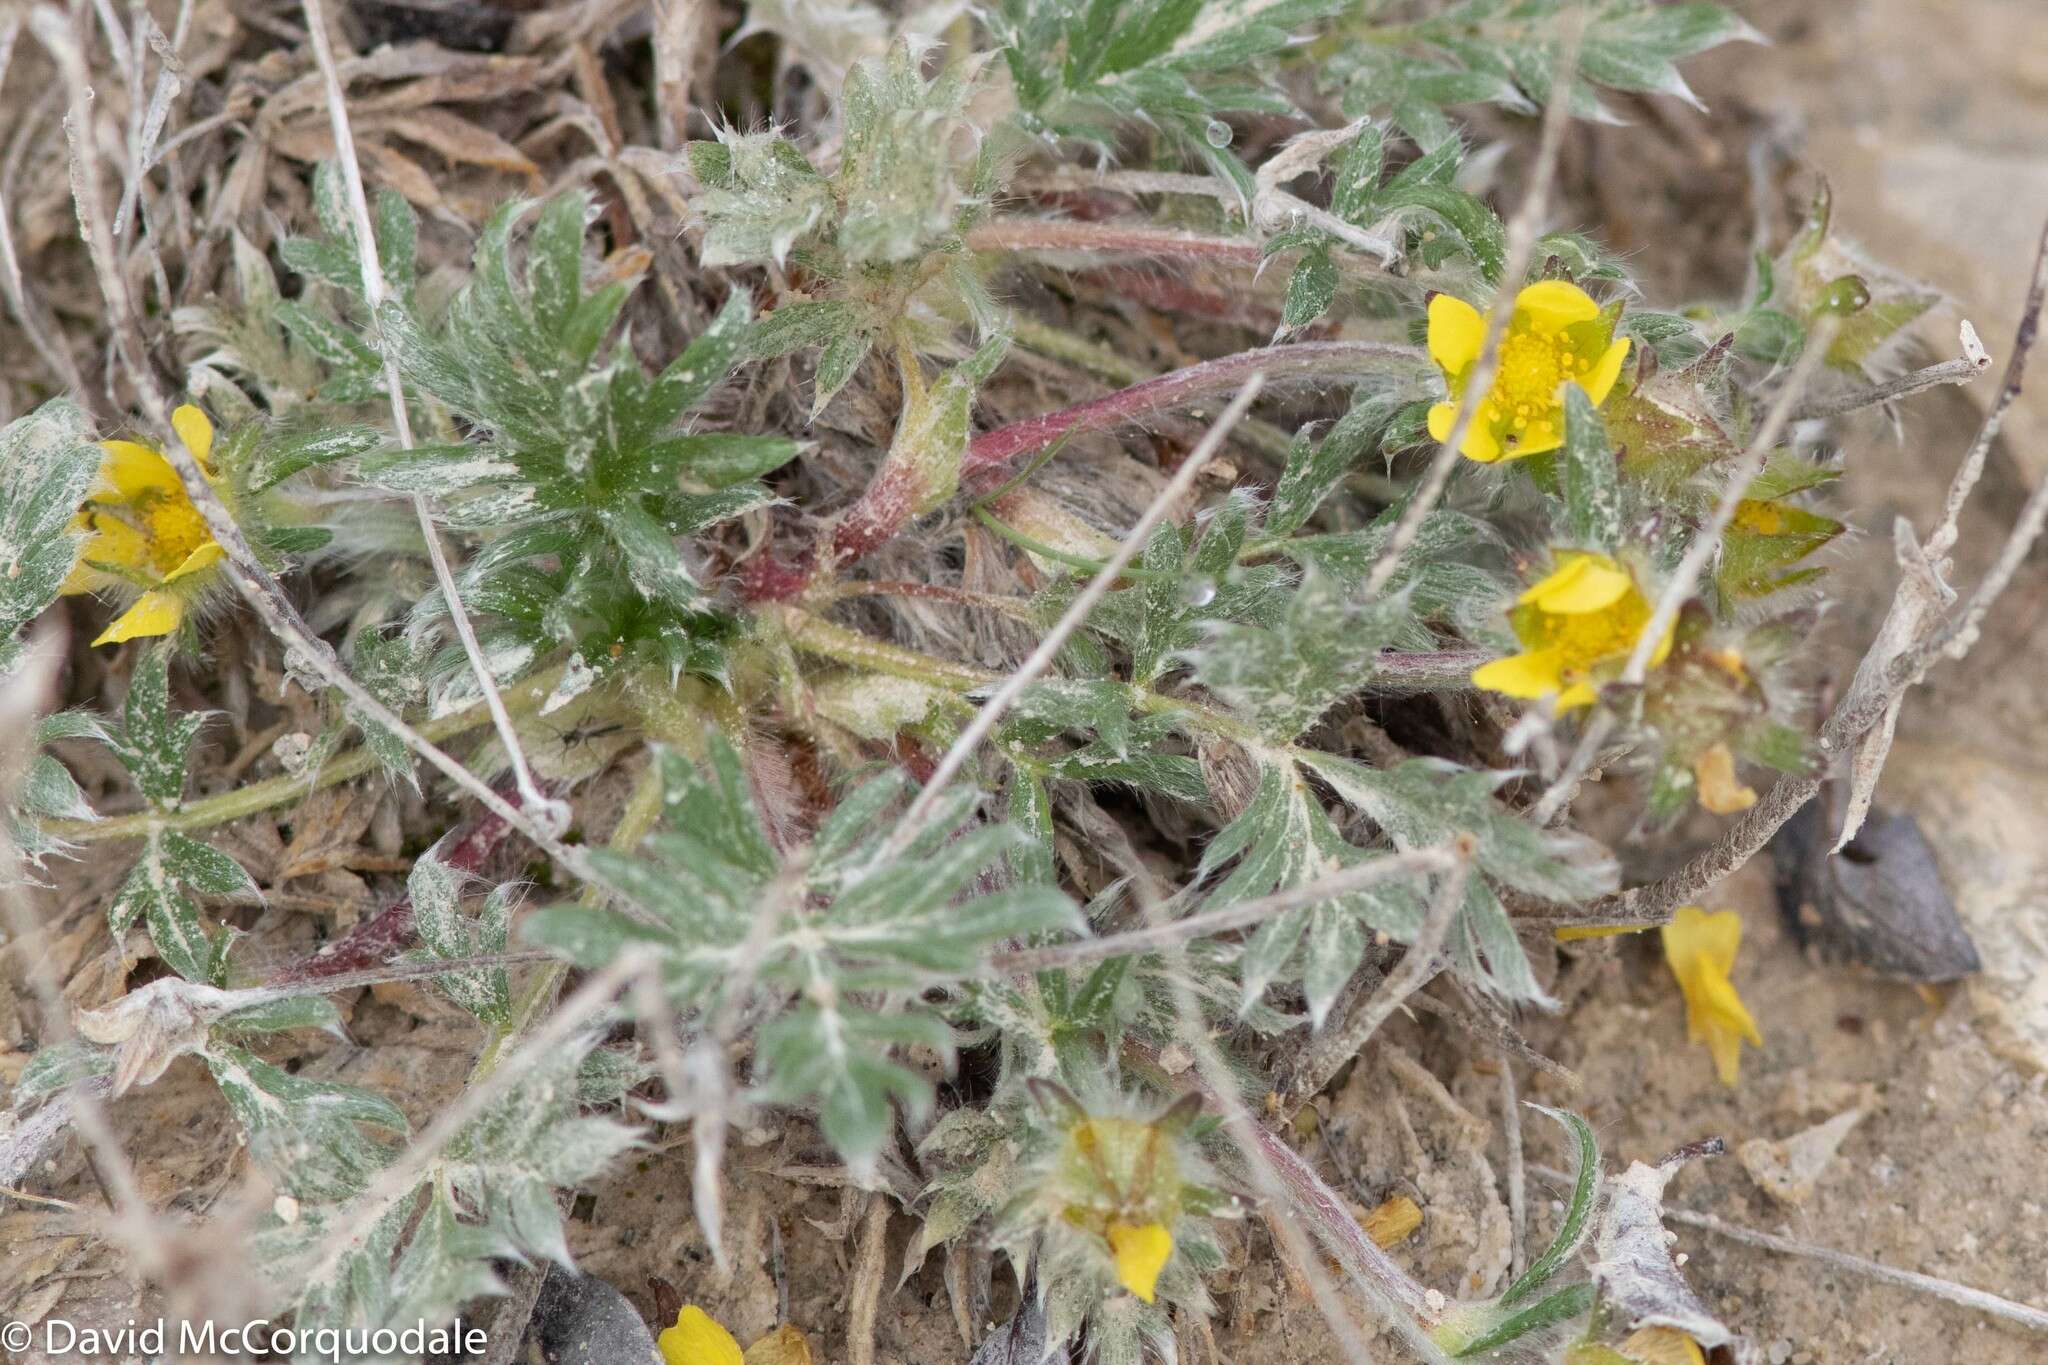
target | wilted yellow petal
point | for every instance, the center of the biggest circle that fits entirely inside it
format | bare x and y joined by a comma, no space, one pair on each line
154,613
786,1345
1523,676
1662,1346
1720,791
1393,1222
1600,381
1457,332
697,1339
1581,583
1700,949
1555,304
1141,1253
196,432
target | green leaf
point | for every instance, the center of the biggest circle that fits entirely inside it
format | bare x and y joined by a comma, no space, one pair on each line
1591,476
48,465
1578,1214
153,741
1282,678
1310,289
305,1134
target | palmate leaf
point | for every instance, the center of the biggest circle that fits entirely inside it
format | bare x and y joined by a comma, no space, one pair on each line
48,463
1283,677
578,466
305,1133
1506,52
1283,838
1128,744
445,932
847,933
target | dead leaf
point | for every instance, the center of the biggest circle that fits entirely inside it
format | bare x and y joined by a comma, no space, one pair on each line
1632,1264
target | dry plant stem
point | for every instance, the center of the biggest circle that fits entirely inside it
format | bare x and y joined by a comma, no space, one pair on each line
1958,371
54,354
993,710
864,1302
1518,1171
554,812
20,701
1947,1290
1242,915
1522,232
990,453
1419,963
1972,467
66,43
272,792
394,1181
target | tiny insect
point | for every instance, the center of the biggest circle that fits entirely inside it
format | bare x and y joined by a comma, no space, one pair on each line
579,735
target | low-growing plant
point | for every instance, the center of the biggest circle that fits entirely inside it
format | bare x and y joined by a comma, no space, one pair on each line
842,656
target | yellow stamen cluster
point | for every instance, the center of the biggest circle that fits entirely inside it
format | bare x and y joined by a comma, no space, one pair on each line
1555,335
1577,628
143,531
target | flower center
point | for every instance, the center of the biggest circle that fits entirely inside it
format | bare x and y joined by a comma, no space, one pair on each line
1533,363
175,529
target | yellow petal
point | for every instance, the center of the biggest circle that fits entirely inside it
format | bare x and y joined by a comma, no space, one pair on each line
1663,649
196,432
697,1339
109,540
1393,1221
1569,933
1525,676
1441,416
1553,305
1599,382
1700,949
1662,1346
1695,936
154,613
1539,443
1581,583
134,469
1480,443
1141,1253
1457,331
786,1345
1577,695
1720,791
206,556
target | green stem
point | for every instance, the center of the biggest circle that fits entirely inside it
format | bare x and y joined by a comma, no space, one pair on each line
285,788
1045,551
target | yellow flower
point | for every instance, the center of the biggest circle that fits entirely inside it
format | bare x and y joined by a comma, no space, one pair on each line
1701,950
1577,627
1141,1253
697,1339
143,531
1556,333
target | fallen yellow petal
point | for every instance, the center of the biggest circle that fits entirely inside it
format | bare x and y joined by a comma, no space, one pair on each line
154,613
1393,1222
697,1339
1141,1253
1720,790
1700,949
786,1345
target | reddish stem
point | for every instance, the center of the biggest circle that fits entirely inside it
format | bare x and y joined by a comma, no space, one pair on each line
990,452
1058,234
376,940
